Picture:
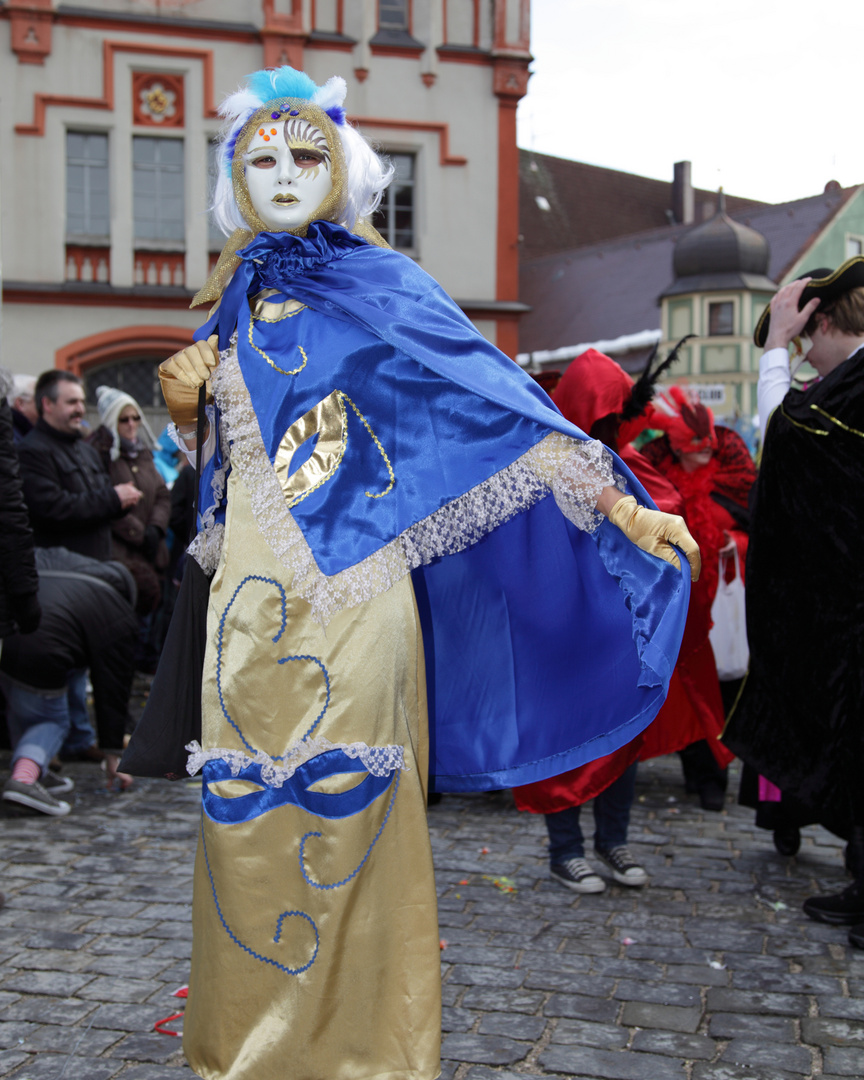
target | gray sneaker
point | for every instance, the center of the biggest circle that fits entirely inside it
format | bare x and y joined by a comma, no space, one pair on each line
625,869
36,797
576,874
57,785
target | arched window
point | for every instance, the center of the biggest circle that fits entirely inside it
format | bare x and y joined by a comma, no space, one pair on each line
136,376
127,358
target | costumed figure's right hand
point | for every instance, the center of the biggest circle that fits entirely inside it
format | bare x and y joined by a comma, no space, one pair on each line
656,532
183,373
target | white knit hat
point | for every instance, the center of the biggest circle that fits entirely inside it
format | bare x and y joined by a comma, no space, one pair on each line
111,402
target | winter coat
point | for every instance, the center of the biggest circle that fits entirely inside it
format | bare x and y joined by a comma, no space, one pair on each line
138,538
70,497
88,621
18,580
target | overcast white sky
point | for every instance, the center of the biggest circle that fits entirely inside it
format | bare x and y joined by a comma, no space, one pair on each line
763,96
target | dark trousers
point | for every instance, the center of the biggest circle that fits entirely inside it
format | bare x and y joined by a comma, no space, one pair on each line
611,821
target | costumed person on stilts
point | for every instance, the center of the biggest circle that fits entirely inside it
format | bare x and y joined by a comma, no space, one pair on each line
418,567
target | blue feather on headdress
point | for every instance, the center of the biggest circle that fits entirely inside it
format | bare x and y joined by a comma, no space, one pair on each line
286,82
281,82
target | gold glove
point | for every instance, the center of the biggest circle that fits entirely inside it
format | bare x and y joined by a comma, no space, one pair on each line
182,375
656,532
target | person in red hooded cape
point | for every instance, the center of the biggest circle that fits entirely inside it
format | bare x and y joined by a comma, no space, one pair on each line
599,396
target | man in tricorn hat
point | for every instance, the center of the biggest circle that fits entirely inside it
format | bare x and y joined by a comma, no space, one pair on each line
798,720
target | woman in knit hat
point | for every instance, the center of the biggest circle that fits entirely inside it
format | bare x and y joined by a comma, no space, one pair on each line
126,443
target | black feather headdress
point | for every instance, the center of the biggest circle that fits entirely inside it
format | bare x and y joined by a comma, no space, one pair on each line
643,388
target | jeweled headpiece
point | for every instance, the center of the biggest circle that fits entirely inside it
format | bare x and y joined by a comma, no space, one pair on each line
275,97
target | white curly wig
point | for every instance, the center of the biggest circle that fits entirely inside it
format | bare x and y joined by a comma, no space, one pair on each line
367,174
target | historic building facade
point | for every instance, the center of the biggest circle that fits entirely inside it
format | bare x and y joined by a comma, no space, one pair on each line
108,120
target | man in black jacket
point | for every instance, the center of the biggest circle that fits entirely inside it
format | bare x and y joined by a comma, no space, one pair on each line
88,621
71,499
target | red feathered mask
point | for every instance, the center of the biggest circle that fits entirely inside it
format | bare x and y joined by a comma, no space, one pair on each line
687,422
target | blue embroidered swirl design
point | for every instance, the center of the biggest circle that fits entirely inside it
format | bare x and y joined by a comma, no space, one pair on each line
297,790
314,660
359,867
284,660
285,915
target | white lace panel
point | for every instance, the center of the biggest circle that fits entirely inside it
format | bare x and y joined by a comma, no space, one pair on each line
576,472
377,760
573,470
206,548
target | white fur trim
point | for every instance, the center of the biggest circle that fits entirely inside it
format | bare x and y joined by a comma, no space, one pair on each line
331,94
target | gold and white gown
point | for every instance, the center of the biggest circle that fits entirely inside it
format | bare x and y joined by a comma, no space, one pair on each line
315,939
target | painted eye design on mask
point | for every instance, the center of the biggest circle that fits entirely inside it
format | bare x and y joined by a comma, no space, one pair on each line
305,158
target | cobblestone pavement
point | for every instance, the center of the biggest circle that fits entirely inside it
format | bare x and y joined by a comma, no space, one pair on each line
710,973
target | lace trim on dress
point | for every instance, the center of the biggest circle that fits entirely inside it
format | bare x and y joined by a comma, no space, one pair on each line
206,548
572,470
377,760
575,472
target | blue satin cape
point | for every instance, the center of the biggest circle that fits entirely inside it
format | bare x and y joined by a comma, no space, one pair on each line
546,647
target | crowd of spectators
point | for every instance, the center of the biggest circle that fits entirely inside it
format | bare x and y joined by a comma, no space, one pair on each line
85,552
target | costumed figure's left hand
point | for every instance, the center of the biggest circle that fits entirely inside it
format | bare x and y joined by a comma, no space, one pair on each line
656,532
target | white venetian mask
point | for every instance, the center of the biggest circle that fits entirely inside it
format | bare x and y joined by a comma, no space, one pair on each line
288,172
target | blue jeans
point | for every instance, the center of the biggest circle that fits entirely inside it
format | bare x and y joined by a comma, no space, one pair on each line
38,722
81,734
611,821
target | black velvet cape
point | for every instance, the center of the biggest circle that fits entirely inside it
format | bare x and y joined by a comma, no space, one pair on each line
800,717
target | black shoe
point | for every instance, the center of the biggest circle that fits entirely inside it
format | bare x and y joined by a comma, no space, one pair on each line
856,937
787,840
712,796
576,874
625,869
839,909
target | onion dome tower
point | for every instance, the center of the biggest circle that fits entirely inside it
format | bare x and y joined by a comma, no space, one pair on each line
718,255
719,289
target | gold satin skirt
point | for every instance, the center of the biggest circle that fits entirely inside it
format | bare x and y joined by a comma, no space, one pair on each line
315,939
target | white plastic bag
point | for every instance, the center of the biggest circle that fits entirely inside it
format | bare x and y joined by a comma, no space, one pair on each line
729,633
